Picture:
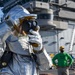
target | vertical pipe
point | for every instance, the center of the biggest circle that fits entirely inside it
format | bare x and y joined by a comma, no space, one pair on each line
72,39
57,42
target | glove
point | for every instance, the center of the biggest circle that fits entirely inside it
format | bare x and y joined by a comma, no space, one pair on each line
35,40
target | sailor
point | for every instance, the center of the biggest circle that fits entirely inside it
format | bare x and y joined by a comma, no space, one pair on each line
62,61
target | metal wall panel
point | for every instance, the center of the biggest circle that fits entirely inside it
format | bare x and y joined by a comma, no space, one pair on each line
49,41
67,14
61,24
71,4
52,40
62,2
37,4
68,3
67,35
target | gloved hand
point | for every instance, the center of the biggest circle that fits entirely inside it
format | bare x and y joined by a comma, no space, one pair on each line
35,40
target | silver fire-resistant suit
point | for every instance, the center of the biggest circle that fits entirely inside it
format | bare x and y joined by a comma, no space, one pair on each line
22,62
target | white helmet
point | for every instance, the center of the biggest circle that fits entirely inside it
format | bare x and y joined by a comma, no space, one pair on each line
16,14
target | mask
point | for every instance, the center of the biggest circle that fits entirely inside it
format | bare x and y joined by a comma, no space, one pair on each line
61,50
27,25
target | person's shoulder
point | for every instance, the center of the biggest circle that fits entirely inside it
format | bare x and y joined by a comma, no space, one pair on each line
3,28
66,53
57,54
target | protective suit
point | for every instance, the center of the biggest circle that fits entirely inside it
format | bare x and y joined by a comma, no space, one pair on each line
25,42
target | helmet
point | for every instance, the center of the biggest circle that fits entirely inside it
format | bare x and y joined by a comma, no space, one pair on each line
16,16
61,47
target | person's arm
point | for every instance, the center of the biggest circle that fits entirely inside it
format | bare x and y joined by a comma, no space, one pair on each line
43,59
70,60
54,60
4,34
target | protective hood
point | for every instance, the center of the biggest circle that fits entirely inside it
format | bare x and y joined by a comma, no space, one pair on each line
16,13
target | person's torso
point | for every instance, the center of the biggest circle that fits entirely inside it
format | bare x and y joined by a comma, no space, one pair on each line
62,60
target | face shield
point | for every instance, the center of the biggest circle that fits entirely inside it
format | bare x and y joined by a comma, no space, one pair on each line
19,16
